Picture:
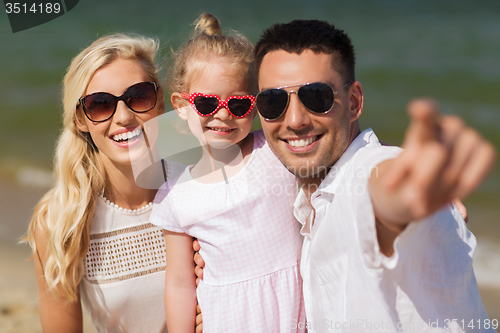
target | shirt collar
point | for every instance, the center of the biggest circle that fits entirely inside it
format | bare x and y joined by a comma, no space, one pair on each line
304,213
303,210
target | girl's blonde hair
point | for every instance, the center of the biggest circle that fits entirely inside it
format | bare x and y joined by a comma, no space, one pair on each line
207,43
66,211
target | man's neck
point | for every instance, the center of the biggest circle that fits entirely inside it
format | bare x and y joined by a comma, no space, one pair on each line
310,184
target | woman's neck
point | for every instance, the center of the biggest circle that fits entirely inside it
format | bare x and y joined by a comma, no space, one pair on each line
122,189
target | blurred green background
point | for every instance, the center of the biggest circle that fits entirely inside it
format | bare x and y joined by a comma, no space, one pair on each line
449,50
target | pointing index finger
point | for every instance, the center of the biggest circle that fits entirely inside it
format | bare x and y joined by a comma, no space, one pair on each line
425,117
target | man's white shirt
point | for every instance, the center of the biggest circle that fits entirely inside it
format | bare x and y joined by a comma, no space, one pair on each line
427,285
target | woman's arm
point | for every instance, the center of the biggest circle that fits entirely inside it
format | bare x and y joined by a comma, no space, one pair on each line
56,314
180,286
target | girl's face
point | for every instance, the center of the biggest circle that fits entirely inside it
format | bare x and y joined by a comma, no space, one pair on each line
222,128
120,139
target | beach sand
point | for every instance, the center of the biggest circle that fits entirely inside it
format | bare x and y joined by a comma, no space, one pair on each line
18,292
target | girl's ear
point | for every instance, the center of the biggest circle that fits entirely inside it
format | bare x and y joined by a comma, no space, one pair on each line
179,104
80,122
161,100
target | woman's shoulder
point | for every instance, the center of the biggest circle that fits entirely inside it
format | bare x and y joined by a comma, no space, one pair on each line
176,174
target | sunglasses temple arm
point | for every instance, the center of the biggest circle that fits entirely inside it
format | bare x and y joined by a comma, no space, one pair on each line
345,85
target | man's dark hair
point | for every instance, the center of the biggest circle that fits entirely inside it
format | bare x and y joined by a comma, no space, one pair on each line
314,35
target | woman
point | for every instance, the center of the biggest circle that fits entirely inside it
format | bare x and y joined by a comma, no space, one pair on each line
90,233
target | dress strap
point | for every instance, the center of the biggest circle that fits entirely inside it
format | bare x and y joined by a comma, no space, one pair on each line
164,170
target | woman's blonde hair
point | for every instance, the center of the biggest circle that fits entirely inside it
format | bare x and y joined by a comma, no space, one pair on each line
66,211
207,43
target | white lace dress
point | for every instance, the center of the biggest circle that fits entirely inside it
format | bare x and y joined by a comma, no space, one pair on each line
123,283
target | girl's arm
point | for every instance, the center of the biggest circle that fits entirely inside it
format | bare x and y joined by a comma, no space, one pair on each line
56,314
180,287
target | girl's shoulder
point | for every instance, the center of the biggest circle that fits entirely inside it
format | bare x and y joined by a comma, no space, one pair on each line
173,169
176,174
261,148
259,140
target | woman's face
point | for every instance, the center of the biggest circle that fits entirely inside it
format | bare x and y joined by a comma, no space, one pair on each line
120,139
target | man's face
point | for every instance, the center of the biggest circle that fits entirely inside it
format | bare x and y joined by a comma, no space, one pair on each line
309,144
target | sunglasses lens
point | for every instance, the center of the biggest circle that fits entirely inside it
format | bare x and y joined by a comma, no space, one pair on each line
317,97
272,103
206,105
239,107
141,97
99,106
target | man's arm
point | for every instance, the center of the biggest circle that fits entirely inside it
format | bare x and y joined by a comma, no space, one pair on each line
443,159
198,261
198,270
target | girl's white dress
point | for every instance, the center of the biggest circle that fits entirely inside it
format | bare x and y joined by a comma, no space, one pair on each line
123,283
250,242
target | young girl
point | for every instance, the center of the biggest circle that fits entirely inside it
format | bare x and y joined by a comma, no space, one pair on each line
237,200
91,235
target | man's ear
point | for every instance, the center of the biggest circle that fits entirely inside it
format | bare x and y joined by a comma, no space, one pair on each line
356,100
179,104
80,122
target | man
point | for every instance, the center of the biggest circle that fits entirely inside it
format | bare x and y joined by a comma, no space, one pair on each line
370,260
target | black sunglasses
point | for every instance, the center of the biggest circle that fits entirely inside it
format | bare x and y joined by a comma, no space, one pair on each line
101,106
317,97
